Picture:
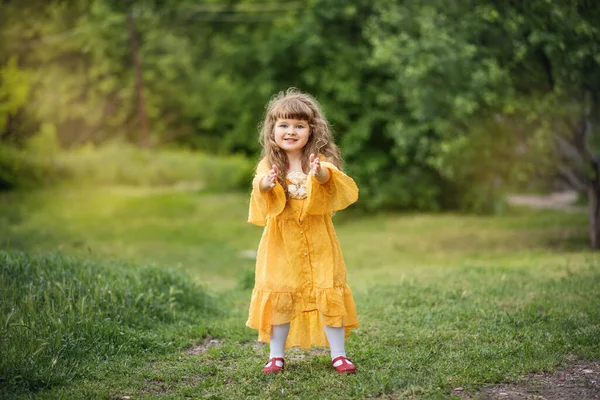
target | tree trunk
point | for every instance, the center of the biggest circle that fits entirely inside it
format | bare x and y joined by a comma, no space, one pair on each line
594,207
139,83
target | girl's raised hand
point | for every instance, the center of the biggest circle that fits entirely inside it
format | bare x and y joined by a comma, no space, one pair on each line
315,165
321,174
270,179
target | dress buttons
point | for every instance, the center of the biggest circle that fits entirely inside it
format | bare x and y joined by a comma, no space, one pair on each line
308,282
305,254
301,232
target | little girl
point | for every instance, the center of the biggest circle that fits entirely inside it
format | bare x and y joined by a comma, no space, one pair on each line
300,297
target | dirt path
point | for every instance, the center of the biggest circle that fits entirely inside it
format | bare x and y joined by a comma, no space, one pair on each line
564,201
578,381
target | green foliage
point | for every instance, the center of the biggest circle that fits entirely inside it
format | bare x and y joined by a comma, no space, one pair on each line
14,89
61,316
405,84
42,162
123,164
21,169
492,159
462,66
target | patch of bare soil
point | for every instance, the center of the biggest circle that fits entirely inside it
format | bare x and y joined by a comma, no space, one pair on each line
295,354
206,344
578,381
256,345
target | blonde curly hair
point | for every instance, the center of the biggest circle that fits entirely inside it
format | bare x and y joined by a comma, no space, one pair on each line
293,104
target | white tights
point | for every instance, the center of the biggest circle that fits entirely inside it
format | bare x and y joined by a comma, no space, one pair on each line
279,333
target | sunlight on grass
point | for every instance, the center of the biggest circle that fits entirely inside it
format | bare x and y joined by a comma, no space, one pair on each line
201,233
207,234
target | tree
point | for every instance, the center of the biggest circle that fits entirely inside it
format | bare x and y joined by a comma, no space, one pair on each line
436,105
535,62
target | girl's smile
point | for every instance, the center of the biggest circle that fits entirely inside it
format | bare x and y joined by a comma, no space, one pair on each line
291,135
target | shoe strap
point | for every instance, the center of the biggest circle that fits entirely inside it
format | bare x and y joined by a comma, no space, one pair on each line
274,359
344,360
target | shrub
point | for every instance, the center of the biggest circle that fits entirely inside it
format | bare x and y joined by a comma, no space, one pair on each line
120,164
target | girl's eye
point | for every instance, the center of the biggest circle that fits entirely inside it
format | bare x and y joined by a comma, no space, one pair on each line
283,126
300,126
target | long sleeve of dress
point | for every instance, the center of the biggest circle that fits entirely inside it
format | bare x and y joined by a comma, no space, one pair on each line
336,194
264,204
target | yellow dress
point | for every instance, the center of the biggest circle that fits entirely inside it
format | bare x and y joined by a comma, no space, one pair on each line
300,272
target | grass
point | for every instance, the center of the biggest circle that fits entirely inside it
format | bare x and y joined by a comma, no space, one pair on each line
61,316
202,233
443,300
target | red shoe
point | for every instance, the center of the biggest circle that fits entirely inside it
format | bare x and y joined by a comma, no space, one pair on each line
271,366
346,367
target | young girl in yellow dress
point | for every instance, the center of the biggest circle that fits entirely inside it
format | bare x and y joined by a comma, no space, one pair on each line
300,297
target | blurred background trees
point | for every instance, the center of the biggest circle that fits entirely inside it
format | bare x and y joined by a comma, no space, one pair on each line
436,104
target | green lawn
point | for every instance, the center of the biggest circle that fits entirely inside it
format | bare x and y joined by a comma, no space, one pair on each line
443,300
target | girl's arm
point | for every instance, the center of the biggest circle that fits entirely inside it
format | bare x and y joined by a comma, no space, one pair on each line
269,203
328,189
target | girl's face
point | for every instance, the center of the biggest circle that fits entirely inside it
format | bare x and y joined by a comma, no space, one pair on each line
291,135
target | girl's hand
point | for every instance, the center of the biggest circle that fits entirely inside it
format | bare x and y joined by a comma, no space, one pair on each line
315,165
321,174
270,180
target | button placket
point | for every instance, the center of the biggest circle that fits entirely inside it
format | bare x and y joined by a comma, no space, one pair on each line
305,253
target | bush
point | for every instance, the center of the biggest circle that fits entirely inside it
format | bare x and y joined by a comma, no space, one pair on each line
18,169
120,164
482,167
124,164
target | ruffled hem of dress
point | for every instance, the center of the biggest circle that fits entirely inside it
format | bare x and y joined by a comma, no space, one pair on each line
332,307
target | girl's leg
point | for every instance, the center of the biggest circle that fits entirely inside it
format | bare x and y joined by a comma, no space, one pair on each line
279,334
335,336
